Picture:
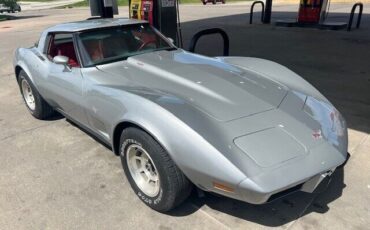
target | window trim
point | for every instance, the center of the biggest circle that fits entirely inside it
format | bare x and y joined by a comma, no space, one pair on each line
80,45
50,38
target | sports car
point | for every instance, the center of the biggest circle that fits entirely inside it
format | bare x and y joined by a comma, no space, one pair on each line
243,127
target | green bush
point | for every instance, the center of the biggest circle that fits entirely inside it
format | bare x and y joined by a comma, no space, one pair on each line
8,3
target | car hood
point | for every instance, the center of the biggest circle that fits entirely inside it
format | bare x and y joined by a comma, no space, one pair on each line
222,91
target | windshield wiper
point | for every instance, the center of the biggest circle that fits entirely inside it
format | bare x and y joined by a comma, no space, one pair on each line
106,61
116,59
165,48
171,48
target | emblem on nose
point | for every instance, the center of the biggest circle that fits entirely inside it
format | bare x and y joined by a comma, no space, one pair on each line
316,134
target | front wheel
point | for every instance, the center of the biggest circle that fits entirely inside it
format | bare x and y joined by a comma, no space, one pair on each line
153,176
35,104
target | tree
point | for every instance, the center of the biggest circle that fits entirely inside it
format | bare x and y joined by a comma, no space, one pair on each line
8,3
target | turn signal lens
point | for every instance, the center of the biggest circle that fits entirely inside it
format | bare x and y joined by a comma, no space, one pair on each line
223,187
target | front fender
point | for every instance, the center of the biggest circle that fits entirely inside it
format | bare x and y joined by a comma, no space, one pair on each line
20,62
200,161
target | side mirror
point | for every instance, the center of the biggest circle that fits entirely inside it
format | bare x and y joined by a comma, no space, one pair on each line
62,60
171,40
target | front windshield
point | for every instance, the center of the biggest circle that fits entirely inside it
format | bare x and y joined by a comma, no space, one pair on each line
120,42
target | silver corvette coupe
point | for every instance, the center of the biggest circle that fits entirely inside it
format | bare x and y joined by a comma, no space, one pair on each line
245,128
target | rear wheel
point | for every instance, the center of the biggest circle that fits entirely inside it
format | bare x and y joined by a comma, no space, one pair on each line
153,176
35,104
214,2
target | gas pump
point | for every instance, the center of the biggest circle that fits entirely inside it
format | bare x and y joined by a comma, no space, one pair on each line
162,14
147,11
135,9
312,11
312,14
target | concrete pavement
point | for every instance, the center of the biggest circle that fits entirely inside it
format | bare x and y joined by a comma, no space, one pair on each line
55,176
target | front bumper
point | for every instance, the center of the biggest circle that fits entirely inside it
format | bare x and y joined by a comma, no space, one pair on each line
315,184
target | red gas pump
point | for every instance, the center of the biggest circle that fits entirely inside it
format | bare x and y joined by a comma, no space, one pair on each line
147,10
162,14
312,11
312,14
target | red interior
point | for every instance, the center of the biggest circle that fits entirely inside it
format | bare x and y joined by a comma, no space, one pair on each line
65,49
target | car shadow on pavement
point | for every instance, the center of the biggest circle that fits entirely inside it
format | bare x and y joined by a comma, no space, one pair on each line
273,214
87,132
56,116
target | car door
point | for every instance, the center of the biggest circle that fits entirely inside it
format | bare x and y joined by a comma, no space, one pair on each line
65,82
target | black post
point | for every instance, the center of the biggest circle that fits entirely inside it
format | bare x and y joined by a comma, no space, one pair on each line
359,4
268,9
225,38
252,8
107,12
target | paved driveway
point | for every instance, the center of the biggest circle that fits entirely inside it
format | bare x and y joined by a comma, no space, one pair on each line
55,176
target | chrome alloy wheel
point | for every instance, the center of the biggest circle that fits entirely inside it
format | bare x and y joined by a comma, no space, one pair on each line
28,95
143,170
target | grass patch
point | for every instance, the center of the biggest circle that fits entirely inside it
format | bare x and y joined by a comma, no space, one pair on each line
77,4
3,17
35,0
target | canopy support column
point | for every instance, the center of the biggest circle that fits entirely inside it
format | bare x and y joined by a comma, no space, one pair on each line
268,9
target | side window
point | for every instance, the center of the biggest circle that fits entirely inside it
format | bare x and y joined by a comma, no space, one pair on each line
62,44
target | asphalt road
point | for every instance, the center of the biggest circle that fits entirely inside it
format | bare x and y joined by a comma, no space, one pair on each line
55,176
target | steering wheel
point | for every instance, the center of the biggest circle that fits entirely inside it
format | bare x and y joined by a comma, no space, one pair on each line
146,43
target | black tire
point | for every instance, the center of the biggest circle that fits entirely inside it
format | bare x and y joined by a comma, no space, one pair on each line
42,109
204,2
214,2
174,186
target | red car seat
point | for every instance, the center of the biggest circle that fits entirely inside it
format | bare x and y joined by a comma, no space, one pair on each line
65,49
